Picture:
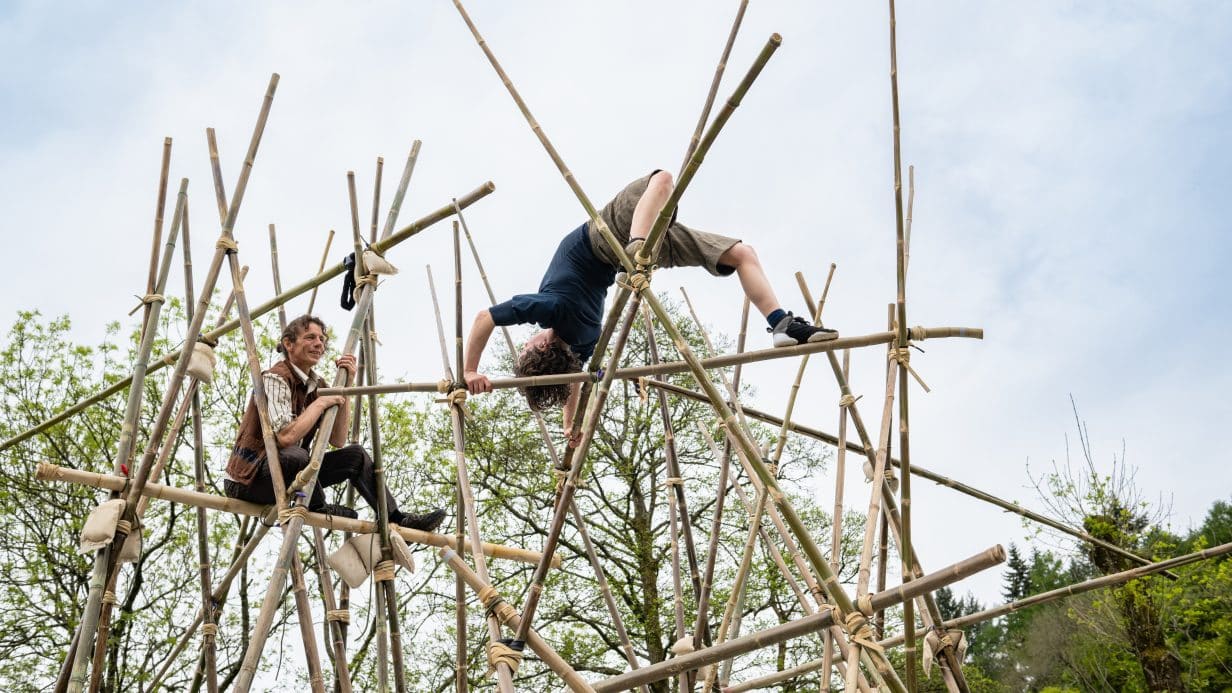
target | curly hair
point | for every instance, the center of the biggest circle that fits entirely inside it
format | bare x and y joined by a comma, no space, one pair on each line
297,327
555,358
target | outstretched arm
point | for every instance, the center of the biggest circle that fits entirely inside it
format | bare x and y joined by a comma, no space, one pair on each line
476,341
567,413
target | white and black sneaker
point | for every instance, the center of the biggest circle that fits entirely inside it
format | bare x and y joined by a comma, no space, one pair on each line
792,330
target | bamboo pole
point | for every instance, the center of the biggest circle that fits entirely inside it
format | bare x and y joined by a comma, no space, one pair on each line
803,626
702,625
315,679
495,603
159,209
735,601
335,629
1110,580
460,682
578,519
836,518
714,84
670,367
169,359
105,558
282,311
312,301
504,672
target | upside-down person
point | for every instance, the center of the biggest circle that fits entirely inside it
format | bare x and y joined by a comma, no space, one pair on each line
569,303
295,412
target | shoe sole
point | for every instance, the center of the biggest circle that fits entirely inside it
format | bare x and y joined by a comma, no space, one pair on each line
783,340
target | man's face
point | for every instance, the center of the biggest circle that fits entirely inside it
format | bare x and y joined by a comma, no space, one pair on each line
540,342
307,349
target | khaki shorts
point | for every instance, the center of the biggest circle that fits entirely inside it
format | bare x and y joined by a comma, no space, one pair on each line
681,246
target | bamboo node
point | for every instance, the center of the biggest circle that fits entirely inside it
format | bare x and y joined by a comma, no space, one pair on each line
227,244
501,653
340,615
209,630
848,400
109,597
384,571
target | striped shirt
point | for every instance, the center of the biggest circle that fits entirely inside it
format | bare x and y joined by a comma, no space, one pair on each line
278,396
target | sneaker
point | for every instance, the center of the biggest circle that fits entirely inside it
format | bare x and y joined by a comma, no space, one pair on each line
336,510
426,522
793,330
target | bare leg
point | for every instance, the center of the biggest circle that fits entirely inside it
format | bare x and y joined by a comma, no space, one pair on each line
651,202
752,277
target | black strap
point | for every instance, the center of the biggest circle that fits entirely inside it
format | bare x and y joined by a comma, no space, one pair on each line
348,282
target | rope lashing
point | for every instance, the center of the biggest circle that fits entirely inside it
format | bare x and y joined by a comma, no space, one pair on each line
456,398
285,515
444,385
124,527
673,481
109,597
372,336
384,571
227,244
493,603
361,282
643,388
501,653
936,643
339,615
860,632
209,630
848,400
903,357
636,282
146,300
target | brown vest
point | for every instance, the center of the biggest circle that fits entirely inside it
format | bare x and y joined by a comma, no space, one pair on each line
249,450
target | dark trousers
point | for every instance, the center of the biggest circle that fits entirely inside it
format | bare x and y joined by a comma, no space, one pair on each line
351,463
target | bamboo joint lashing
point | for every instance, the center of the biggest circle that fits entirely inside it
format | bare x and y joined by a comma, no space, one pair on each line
673,481
456,398
848,400
228,244
903,356
859,630
384,571
285,515
209,630
339,615
501,653
109,597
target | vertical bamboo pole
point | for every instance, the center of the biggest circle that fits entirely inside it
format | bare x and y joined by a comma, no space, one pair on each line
282,310
324,255
836,518
578,519
105,558
459,584
335,627
159,209
504,674
702,625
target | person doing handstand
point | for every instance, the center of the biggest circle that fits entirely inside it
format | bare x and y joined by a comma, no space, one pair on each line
295,412
569,303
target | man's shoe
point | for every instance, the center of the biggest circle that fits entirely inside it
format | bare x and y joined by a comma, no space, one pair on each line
792,330
336,510
427,522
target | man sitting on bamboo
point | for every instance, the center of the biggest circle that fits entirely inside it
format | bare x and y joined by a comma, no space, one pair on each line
569,303
295,413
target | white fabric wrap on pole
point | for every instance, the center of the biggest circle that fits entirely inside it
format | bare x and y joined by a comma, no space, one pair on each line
99,529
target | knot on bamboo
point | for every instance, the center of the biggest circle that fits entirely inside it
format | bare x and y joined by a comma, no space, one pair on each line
444,385
938,641
865,604
285,515
124,527
339,615
860,632
227,244
456,398
372,336
636,282
673,481
209,630
384,571
362,281
501,653
848,400
146,300
109,597
903,356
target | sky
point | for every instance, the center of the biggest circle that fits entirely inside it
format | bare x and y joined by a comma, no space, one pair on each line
1067,164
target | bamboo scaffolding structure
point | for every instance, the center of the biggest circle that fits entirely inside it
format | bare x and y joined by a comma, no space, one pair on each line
800,627
714,84
494,602
578,519
672,367
169,359
1110,580
312,300
776,556
160,208
735,603
836,517
105,557
917,470
702,625
504,673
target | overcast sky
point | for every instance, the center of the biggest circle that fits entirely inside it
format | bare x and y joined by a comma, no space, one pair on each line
1068,160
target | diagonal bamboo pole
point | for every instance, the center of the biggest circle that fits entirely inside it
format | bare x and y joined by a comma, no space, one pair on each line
1110,580
106,557
714,84
282,310
159,209
312,301
802,626
578,519
504,672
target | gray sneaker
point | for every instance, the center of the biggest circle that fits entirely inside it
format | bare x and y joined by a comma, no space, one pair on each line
793,330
